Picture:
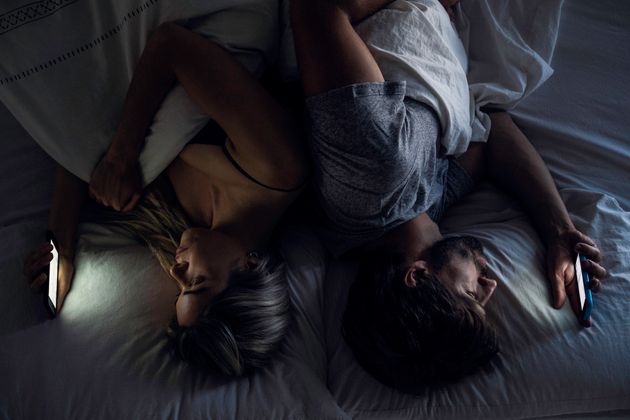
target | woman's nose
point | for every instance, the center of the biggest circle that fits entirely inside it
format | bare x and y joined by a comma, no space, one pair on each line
178,271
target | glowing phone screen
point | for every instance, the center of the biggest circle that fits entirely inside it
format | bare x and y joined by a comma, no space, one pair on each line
580,282
52,276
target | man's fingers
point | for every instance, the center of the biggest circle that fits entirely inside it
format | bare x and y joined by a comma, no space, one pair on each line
589,251
580,237
558,290
594,269
594,284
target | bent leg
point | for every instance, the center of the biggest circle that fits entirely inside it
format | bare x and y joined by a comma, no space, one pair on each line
330,53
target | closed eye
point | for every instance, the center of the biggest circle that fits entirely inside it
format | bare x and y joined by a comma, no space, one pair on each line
196,280
473,295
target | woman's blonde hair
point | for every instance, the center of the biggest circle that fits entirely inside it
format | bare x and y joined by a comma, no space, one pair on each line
245,323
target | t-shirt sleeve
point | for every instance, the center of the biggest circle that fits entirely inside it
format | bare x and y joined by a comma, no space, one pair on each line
374,157
357,133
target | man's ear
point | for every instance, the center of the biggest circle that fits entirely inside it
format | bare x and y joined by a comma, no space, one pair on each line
252,260
416,268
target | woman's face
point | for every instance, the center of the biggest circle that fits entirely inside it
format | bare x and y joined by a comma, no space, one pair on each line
203,263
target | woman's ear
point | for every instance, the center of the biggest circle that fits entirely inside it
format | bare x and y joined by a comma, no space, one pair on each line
418,267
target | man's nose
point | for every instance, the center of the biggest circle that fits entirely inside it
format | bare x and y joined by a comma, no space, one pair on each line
488,286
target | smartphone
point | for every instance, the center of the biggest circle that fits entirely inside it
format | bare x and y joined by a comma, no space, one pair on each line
50,299
584,291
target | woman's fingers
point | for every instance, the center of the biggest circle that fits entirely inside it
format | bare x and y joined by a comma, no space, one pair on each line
35,255
96,194
39,262
38,281
132,202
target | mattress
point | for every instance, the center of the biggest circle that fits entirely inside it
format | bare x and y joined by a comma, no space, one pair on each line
105,356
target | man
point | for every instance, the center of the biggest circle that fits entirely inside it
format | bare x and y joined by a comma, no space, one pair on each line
415,313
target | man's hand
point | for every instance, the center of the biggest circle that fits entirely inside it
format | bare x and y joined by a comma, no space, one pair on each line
116,182
38,260
560,259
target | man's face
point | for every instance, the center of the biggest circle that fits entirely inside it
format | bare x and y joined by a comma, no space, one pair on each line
460,265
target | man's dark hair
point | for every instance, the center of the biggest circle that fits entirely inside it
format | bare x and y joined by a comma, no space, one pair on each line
412,337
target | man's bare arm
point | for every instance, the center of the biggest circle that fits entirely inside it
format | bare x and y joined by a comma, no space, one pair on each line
357,10
513,163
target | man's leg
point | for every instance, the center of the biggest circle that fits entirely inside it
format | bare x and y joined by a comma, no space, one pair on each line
330,53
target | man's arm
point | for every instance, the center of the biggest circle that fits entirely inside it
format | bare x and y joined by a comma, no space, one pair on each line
513,163
330,53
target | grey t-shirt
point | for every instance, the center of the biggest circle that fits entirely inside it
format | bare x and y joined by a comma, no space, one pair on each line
376,161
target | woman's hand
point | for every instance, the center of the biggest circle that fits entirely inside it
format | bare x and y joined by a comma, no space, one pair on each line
116,182
38,260
561,257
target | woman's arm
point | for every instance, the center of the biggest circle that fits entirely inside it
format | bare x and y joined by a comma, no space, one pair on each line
263,137
513,163
68,199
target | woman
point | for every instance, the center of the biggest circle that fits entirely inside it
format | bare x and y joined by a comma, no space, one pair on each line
232,310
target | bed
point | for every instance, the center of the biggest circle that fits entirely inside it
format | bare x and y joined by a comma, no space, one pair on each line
105,356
